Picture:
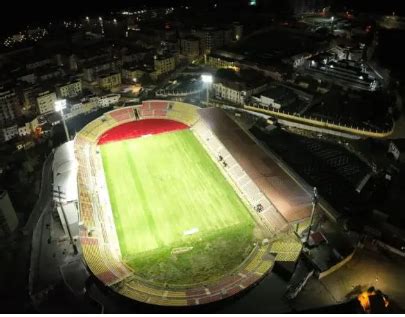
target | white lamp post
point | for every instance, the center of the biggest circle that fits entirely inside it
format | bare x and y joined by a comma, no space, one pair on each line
59,106
207,79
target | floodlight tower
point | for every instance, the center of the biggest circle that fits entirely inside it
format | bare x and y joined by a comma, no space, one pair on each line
59,106
314,204
207,80
100,19
332,19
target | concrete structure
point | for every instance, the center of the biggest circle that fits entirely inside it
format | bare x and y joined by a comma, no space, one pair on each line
46,102
190,47
131,73
81,107
306,6
69,89
8,104
164,64
27,96
92,70
8,133
38,63
48,73
221,61
110,80
276,97
345,73
8,217
237,31
238,89
210,37
108,100
24,130
297,60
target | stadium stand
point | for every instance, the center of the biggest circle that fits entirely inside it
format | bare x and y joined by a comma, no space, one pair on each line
244,184
124,114
287,249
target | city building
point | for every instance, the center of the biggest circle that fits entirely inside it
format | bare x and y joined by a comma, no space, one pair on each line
276,96
237,31
9,106
345,73
48,73
397,149
27,96
237,88
8,217
132,74
108,100
132,57
190,47
109,80
219,59
77,107
8,133
210,37
38,63
297,60
69,89
26,76
46,101
306,6
164,64
93,69
24,130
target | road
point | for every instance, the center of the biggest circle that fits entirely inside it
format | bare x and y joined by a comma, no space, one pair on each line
367,268
44,198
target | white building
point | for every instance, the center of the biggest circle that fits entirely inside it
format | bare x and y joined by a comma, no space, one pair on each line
8,217
46,102
8,103
24,130
8,133
108,100
236,92
69,89
297,60
82,108
275,97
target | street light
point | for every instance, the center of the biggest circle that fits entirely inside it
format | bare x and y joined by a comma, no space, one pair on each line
314,204
59,106
58,194
207,79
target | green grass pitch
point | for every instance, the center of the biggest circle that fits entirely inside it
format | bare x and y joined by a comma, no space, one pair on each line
162,186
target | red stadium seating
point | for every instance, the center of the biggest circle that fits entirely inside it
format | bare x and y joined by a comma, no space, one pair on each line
122,114
139,128
156,105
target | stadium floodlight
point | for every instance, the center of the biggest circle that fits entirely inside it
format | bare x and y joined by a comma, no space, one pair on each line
59,106
207,79
315,200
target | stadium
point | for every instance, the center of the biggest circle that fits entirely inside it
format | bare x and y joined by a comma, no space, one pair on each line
171,214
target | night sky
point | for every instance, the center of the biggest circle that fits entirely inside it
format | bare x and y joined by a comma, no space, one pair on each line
17,13
20,13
